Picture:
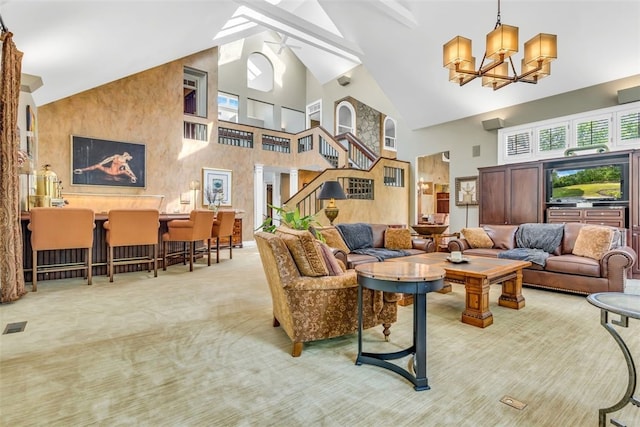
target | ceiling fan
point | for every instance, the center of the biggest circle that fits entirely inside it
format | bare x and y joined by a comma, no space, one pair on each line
282,44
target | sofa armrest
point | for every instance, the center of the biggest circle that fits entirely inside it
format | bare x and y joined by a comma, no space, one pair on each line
458,245
340,255
426,245
616,261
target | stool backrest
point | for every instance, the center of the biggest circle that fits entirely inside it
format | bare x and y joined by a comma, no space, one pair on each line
202,222
61,228
128,227
223,225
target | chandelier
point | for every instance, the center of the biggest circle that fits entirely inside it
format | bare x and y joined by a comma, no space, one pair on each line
502,43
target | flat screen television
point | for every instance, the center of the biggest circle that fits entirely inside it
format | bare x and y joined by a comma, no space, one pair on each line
605,183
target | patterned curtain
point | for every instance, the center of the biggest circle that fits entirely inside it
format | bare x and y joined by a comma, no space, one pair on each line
11,273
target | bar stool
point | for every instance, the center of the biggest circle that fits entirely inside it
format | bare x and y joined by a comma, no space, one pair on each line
196,228
223,227
61,228
132,227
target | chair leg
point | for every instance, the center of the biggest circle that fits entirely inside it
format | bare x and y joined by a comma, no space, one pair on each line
209,251
34,271
191,246
297,349
110,263
231,247
218,249
89,265
155,260
184,253
164,256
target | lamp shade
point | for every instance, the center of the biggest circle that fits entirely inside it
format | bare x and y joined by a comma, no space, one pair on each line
497,76
461,78
331,190
543,47
544,71
456,51
502,40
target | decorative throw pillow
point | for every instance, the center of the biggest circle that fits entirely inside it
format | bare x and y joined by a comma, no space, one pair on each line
477,237
304,250
332,263
397,238
334,239
593,241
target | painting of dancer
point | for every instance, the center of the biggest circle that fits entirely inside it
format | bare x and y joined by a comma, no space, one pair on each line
103,162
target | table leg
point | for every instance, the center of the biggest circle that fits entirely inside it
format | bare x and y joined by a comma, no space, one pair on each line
512,292
420,341
477,311
631,385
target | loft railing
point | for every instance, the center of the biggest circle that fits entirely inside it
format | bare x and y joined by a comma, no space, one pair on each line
360,156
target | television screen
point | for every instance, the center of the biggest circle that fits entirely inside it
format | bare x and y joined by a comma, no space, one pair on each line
596,183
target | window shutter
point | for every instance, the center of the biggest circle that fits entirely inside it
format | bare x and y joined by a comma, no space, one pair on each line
518,144
593,131
629,127
553,138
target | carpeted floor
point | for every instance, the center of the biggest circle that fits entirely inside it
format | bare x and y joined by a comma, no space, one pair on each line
198,349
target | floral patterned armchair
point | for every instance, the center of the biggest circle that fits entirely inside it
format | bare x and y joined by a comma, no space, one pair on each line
318,306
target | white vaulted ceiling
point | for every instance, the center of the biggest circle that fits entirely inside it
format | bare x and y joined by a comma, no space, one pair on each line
77,45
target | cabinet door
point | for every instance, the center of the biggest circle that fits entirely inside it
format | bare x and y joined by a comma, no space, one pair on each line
525,195
634,206
492,196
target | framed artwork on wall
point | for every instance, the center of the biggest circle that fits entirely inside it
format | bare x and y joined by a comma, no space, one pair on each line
216,187
103,162
466,190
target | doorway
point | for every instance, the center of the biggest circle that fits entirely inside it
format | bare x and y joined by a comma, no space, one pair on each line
432,195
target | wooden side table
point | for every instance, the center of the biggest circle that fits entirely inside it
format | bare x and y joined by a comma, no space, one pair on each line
625,306
406,277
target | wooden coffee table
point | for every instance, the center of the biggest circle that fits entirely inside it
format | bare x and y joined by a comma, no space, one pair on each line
478,275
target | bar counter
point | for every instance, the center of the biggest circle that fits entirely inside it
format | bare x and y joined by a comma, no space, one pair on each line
100,249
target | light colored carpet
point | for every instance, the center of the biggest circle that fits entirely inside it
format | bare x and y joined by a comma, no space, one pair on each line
198,349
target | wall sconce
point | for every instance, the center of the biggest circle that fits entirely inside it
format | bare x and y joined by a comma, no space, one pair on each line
425,187
195,186
331,190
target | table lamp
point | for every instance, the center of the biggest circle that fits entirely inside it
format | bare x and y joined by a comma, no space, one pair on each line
195,186
331,190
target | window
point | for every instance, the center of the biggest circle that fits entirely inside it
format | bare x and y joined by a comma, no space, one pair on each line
390,134
593,131
259,73
227,107
608,129
195,92
393,177
346,118
629,127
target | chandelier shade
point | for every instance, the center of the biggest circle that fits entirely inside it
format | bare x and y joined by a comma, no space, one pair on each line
543,47
457,51
497,67
502,41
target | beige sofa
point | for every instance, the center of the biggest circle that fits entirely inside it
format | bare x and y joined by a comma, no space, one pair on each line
564,270
396,239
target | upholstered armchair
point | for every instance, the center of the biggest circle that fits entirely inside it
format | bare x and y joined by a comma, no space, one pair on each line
321,306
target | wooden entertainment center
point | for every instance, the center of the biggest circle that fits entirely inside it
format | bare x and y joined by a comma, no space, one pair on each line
520,193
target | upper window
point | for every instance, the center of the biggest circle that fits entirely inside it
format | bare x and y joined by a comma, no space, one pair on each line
259,73
227,107
390,134
195,92
346,118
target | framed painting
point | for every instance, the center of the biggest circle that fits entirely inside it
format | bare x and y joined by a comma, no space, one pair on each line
466,190
103,162
216,187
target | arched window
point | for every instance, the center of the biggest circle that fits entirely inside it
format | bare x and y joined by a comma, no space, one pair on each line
259,73
346,118
390,134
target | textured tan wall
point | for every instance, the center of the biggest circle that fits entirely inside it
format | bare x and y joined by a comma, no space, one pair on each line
148,108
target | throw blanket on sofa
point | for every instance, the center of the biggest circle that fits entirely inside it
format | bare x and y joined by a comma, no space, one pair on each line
535,242
539,236
381,253
356,236
536,256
